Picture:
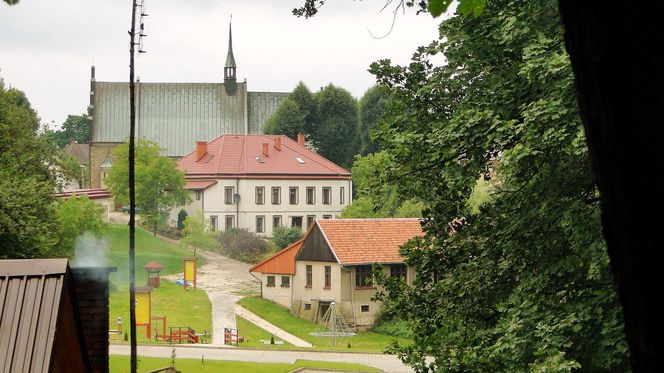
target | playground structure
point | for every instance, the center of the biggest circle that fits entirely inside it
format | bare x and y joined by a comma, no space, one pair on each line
231,336
189,271
144,309
333,326
153,268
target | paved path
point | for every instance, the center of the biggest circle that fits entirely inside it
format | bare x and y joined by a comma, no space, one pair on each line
387,363
241,311
221,277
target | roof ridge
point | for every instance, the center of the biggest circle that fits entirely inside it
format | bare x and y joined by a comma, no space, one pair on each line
310,151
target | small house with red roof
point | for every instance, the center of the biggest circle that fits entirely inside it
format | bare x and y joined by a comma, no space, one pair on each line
261,182
333,263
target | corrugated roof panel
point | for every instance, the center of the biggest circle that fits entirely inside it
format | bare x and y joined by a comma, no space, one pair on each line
30,296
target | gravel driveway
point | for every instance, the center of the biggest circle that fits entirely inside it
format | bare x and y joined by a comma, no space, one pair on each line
220,277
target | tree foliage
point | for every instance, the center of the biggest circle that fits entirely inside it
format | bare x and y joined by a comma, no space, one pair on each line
75,127
522,282
376,198
373,104
76,216
27,181
195,234
284,236
159,183
335,136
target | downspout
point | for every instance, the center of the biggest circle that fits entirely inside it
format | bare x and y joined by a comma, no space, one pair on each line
352,298
259,281
292,294
237,207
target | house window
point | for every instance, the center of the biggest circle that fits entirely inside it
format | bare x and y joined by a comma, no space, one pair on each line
398,270
285,281
327,196
213,223
260,224
310,220
229,192
307,306
309,276
342,196
276,221
363,277
292,195
198,195
327,216
270,281
364,308
328,277
311,195
260,195
276,195
296,221
230,222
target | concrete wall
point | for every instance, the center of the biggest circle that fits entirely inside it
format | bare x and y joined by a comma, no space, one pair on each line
279,294
303,295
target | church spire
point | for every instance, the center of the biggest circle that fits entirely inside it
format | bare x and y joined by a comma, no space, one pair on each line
229,69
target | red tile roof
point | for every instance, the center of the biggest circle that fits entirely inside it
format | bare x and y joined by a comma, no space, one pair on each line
282,262
199,185
91,193
367,241
242,156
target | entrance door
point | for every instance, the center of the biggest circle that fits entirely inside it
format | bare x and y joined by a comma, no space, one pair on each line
323,310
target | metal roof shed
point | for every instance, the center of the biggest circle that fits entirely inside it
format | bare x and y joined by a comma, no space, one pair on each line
40,328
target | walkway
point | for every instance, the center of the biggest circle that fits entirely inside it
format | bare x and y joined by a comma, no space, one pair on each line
222,278
387,363
241,311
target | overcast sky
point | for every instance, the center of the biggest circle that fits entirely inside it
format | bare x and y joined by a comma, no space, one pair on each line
47,47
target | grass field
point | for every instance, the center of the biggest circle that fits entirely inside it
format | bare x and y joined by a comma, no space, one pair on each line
281,317
120,364
181,307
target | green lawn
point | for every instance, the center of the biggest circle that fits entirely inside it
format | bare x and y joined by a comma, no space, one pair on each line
181,307
281,317
253,335
120,364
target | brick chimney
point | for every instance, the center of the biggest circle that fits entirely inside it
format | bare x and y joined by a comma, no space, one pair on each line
266,149
201,150
277,143
300,139
91,289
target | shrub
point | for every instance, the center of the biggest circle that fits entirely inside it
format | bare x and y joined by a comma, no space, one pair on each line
181,216
394,327
242,245
284,236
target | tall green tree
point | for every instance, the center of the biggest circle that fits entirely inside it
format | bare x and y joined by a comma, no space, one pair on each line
196,235
75,127
159,183
335,136
373,104
76,216
287,120
520,282
27,181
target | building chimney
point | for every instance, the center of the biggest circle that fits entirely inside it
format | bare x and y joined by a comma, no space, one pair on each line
266,149
201,150
300,139
277,143
91,289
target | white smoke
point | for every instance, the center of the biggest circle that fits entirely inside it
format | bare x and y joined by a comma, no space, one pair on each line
91,251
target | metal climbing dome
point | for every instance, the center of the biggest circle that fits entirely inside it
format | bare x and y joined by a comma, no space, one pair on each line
332,326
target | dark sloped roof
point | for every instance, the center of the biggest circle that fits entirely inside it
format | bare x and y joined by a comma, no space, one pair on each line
30,297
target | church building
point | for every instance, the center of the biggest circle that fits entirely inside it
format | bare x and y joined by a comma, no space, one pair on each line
175,115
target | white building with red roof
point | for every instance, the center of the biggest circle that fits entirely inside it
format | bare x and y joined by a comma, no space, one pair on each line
333,263
260,182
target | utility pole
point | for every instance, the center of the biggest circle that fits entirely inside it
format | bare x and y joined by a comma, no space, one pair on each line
132,189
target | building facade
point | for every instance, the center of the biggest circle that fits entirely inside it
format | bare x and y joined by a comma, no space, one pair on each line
333,263
260,182
175,115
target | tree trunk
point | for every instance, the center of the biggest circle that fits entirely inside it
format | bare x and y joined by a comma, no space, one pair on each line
619,73
155,229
